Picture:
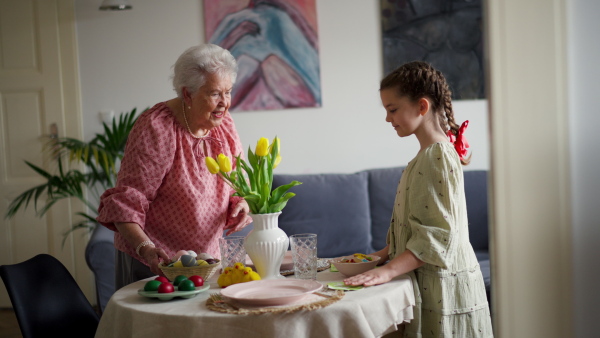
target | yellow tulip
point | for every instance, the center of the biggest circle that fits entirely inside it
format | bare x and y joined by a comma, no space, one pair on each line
212,165
277,160
224,163
262,147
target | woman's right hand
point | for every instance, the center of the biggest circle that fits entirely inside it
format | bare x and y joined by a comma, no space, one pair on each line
153,255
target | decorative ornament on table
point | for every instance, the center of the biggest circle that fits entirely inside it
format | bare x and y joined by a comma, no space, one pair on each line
266,244
237,274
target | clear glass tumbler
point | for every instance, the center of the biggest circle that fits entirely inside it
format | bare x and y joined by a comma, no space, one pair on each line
232,250
304,255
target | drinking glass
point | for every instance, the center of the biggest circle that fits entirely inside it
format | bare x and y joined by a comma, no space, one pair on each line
232,250
304,255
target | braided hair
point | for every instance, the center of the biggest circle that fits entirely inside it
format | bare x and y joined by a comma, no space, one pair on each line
419,79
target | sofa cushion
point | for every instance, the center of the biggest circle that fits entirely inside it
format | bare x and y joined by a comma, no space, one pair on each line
382,193
477,208
316,209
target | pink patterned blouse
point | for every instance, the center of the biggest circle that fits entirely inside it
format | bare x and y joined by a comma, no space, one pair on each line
164,186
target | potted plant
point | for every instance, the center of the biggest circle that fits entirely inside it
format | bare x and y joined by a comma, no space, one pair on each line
266,244
100,156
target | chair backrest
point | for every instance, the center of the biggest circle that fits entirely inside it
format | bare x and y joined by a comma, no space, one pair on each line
47,300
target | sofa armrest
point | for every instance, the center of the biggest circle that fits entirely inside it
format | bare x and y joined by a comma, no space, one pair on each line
100,258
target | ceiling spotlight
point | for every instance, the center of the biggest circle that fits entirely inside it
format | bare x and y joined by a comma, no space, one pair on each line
115,5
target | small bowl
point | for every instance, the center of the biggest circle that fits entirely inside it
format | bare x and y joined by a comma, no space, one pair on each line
351,269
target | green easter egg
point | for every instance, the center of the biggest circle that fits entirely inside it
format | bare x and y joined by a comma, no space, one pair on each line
186,285
152,285
178,279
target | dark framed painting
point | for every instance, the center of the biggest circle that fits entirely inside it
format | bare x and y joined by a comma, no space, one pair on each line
445,33
276,45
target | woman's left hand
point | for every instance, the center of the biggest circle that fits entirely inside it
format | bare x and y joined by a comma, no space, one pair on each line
239,218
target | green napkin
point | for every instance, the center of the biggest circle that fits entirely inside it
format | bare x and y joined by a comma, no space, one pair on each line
342,286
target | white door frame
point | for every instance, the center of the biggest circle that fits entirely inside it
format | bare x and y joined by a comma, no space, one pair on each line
530,196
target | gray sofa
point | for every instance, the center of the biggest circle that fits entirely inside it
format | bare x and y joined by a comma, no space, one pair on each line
349,212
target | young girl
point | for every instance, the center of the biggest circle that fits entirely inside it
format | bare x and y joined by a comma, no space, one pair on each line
428,236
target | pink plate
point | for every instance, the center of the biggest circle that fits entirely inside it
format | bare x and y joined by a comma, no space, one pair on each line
271,292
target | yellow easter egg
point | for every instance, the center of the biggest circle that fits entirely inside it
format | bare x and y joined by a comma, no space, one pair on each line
202,262
178,264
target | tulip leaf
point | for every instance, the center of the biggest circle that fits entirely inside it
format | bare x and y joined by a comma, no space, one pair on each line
252,158
280,205
275,147
279,191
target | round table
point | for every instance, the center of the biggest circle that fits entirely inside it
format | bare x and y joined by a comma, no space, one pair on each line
370,312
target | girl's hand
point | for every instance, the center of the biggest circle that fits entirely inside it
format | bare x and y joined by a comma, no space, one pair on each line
371,277
239,218
152,255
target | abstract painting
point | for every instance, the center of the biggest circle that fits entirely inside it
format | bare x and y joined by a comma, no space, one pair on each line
275,43
445,33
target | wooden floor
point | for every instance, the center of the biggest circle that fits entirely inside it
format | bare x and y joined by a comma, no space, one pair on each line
9,327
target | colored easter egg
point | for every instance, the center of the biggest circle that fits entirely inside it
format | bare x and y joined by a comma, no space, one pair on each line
186,285
204,256
165,288
178,279
192,253
152,285
197,280
201,262
188,260
178,254
162,279
178,264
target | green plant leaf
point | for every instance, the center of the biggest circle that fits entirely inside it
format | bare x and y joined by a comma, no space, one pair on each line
281,190
252,159
106,149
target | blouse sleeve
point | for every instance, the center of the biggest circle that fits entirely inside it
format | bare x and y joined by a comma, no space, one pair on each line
148,157
433,208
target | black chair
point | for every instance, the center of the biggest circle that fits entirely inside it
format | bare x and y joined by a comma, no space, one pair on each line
47,300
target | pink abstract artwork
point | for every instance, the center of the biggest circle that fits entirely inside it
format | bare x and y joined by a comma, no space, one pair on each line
276,45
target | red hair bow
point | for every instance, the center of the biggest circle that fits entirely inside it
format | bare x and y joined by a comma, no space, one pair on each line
460,141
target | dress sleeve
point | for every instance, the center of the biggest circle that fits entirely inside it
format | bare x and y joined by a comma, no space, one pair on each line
148,157
433,207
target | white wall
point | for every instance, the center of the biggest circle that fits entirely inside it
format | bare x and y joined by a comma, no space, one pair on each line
584,71
126,58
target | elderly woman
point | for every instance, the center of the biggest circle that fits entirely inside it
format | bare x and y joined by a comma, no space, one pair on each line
165,200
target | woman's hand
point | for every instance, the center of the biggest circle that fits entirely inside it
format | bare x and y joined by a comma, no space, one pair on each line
152,255
238,218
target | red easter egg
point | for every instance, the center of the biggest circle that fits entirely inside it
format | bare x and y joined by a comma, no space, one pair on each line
198,280
166,288
162,279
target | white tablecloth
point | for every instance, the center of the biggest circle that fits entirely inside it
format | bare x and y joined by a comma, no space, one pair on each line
370,312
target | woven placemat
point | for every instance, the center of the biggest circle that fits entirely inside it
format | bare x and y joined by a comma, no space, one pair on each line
313,301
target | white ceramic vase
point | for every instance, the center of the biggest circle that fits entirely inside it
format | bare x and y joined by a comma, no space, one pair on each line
266,245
